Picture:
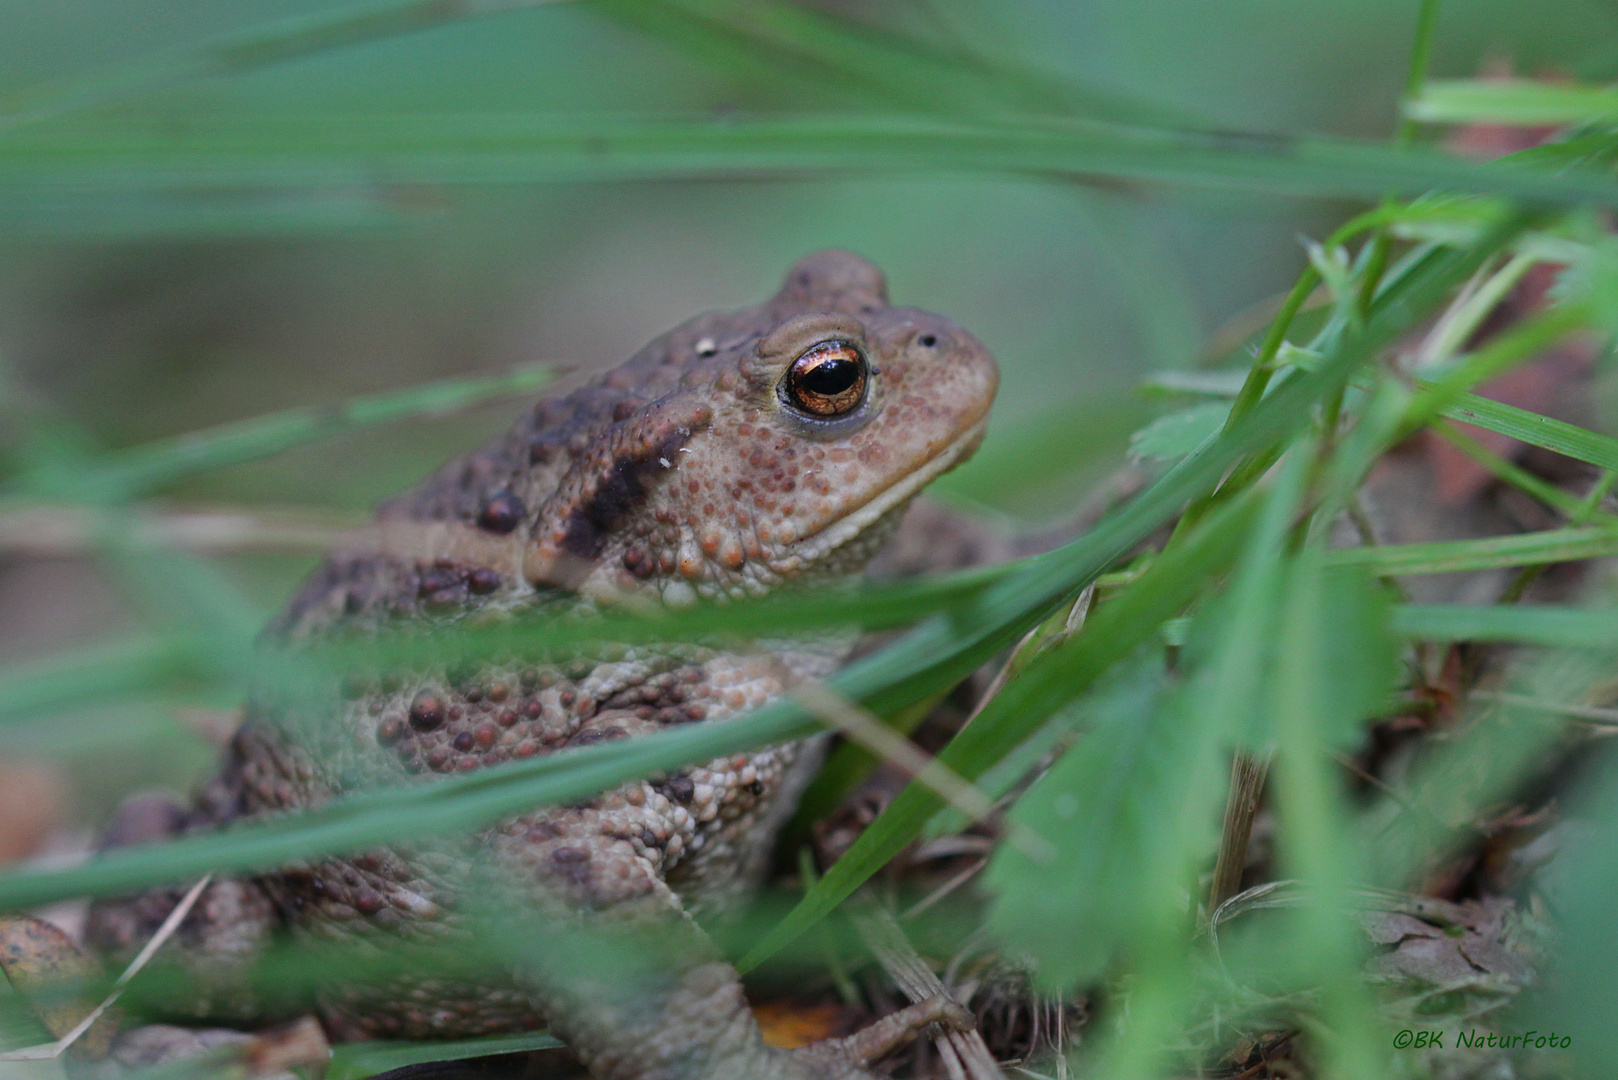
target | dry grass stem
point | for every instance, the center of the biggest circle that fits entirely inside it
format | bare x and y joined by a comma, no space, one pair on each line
868,731
964,1053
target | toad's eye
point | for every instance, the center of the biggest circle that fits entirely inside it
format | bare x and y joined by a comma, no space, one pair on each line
827,379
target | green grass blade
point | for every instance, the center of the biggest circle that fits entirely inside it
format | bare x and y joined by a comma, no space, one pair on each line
1309,719
487,148
356,1061
1231,648
826,54
1536,430
1022,707
1283,411
128,473
928,659
1519,344
179,663
396,814
1512,101
1130,808
1553,627
1453,556
242,52
111,673
1576,1003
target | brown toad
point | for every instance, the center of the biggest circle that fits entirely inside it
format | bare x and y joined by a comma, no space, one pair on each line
771,447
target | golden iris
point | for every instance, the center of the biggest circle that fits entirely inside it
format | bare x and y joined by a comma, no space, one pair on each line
827,379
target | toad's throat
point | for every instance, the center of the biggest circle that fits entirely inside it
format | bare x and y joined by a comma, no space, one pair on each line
818,544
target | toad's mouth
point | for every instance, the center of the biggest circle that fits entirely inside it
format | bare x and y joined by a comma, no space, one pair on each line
857,522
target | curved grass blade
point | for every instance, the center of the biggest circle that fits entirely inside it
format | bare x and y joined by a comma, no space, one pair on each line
245,51
1519,344
828,53
213,151
927,659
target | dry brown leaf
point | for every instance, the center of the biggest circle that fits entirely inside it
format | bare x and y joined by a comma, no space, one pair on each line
787,1026
45,965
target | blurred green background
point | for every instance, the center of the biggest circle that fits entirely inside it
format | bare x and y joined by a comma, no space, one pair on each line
144,320
142,314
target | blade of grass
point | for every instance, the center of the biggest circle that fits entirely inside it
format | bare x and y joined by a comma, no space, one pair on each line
1536,430
1051,680
850,763
1311,813
1236,671
487,148
1460,322
1517,345
1552,627
1508,471
244,51
1587,509
356,1061
128,473
110,673
1511,101
139,668
1454,556
823,51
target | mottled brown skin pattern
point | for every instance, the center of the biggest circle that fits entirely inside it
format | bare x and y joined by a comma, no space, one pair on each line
685,473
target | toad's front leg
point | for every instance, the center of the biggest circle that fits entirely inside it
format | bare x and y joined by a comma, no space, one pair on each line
634,986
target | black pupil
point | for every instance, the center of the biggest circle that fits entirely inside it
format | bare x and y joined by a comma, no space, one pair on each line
831,377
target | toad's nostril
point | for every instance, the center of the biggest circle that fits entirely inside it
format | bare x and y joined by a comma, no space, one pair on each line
929,340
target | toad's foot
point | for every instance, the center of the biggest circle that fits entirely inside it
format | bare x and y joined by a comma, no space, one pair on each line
850,1056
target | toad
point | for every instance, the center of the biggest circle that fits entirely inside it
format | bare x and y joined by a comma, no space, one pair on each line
739,454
